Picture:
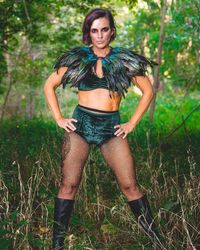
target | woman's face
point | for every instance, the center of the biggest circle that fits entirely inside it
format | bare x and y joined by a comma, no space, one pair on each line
100,32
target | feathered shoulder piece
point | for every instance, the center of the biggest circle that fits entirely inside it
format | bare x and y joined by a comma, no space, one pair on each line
119,66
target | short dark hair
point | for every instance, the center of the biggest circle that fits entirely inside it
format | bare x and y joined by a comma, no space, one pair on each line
93,15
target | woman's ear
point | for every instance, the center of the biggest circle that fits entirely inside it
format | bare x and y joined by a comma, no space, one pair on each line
113,31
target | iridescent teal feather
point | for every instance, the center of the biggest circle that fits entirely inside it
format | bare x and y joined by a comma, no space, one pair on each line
119,67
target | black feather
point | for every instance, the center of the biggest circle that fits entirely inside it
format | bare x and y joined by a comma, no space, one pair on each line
119,67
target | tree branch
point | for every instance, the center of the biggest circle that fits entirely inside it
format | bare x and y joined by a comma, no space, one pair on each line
184,120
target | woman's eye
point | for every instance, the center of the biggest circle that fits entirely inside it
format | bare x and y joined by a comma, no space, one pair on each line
105,29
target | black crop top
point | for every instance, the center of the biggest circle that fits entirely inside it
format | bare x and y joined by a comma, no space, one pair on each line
92,81
118,68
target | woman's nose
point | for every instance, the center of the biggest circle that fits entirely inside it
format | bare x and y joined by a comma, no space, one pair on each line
99,34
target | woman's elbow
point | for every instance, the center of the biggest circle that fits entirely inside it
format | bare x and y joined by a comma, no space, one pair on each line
52,82
46,86
152,93
149,94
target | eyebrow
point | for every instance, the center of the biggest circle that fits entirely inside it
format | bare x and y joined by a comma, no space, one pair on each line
101,28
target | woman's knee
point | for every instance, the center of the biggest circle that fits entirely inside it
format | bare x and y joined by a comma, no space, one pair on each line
68,187
130,188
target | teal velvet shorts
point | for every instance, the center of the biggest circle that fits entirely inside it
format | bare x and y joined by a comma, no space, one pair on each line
95,128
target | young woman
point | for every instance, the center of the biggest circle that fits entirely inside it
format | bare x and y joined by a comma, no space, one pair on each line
102,75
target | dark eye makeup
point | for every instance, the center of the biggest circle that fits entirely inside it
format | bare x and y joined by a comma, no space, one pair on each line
104,29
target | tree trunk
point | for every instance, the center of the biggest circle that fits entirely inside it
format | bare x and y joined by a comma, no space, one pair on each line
156,72
10,82
30,104
10,78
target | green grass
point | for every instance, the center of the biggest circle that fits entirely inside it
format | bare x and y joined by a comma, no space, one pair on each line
167,170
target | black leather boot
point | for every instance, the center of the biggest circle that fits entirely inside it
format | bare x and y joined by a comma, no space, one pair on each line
62,212
141,210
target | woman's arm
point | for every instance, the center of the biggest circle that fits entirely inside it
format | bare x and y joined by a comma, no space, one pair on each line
53,81
144,84
50,86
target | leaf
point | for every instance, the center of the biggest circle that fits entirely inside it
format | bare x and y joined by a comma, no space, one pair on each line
109,229
43,230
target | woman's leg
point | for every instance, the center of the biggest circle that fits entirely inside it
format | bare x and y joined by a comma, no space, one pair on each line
118,155
75,151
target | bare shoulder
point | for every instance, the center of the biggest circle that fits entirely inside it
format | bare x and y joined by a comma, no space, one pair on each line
62,70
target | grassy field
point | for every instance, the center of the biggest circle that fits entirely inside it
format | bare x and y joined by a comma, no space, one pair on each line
167,169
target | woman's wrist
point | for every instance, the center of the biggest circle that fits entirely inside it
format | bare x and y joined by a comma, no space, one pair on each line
57,119
133,124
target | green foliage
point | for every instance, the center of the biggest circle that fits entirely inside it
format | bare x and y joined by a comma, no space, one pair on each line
179,58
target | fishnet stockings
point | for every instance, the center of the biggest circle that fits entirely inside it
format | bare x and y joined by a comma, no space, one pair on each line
116,152
75,151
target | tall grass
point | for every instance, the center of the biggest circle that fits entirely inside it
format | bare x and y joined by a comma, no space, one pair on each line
167,170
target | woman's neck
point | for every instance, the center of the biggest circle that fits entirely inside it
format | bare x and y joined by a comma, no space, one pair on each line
101,52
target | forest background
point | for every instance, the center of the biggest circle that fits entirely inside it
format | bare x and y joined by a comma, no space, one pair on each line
165,143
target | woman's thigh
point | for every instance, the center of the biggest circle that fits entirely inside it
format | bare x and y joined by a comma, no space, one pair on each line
117,153
75,151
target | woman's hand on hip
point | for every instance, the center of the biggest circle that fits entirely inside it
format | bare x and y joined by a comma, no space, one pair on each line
124,128
67,124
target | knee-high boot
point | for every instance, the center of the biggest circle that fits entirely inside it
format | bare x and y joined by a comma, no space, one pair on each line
62,212
141,210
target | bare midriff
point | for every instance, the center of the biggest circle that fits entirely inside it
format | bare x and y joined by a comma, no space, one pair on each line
99,99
